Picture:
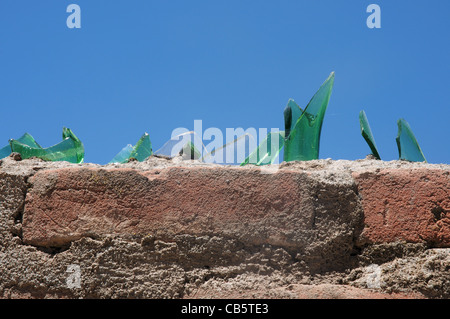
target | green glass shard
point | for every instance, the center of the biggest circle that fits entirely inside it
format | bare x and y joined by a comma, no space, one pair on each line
76,154
292,113
366,132
140,151
5,151
26,139
267,151
124,155
190,152
408,147
70,149
303,127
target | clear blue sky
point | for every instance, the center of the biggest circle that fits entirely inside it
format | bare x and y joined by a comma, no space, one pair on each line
152,66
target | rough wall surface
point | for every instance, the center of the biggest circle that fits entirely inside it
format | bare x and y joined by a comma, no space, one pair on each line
182,229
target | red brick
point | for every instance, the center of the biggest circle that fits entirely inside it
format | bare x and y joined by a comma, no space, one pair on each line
66,204
410,205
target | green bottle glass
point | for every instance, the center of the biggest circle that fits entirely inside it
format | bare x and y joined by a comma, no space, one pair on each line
303,127
366,132
267,151
71,149
26,139
408,147
140,151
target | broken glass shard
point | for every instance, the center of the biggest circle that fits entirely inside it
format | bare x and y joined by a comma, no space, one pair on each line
408,147
123,156
268,151
76,153
366,132
26,139
70,149
292,112
303,127
140,151
5,151
190,152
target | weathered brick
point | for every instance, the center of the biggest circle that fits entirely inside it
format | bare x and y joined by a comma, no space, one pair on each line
410,205
292,209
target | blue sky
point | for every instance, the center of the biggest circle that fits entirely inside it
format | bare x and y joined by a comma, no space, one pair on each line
152,66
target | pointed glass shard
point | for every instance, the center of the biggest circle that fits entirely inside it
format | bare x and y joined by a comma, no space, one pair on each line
267,151
76,154
70,149
408,147
190,152
123,156
26,139
302,139
366,132
140,151
292,113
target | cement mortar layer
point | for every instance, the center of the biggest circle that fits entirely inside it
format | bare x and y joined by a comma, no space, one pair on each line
316,229
30,166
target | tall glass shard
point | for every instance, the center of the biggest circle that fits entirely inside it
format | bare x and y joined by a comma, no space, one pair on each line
26,139
267,151
366,132
76,154
140,151
408,147
303,127
70,149
292,113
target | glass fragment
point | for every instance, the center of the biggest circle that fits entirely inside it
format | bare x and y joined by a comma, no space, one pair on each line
408,147
123,156
190,152
70,149
267,151
366,132
5,151
302,139
26,139
140,151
